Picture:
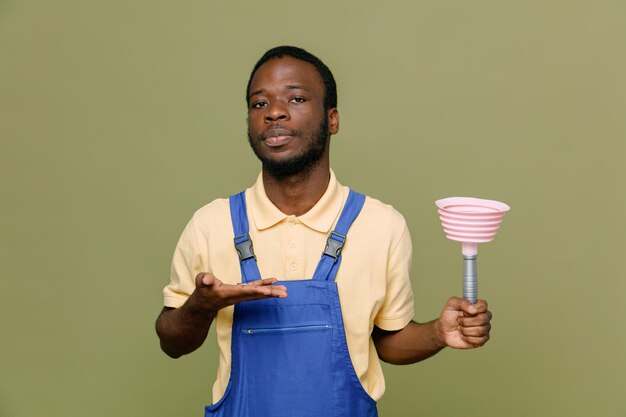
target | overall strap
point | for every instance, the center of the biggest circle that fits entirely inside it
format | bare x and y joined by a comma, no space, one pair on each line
243,244
331,257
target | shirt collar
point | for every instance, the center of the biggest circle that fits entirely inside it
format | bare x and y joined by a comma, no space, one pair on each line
321,217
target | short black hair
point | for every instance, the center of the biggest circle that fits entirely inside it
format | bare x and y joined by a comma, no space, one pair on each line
330,87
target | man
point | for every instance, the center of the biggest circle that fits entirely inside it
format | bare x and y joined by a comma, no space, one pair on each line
300,334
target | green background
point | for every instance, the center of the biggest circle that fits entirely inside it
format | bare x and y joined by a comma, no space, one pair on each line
118,119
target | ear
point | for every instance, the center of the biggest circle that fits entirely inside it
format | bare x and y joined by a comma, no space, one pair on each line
333,121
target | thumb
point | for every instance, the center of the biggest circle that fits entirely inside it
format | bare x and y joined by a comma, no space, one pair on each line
205,279
457,304
461,304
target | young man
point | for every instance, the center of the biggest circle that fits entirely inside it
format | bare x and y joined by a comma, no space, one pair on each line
304,316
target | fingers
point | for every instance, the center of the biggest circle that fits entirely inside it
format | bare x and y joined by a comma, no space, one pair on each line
473,337
477,341
260,291
477,320
461,304
472,309
467,325
265,286
261,282
458,304
475,331
222,294
475,326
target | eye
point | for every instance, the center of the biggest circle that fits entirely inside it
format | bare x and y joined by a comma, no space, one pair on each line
298,100
258,105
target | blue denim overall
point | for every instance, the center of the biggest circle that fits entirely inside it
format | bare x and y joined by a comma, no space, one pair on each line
289,355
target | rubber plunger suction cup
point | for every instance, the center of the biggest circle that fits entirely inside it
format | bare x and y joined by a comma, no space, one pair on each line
470,221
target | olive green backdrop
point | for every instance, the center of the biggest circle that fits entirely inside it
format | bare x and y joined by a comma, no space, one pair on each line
118,119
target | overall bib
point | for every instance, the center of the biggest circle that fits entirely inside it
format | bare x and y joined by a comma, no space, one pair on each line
289,355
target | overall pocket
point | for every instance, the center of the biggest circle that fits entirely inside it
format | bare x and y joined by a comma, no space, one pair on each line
289,369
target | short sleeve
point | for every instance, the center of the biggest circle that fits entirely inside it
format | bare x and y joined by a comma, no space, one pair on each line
188,261
398,307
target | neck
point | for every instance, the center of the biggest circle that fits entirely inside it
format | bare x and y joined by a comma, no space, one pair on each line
297,194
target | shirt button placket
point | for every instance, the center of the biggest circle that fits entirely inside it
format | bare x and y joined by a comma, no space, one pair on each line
290,262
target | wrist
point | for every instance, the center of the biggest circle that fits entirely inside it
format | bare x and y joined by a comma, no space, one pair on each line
438,335
198,310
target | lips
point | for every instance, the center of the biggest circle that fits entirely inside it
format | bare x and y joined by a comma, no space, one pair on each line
278,137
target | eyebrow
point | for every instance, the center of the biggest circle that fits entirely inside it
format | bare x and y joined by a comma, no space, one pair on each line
297,87
289,87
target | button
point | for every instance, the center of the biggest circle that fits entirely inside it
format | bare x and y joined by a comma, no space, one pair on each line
292,224
292,244
293,267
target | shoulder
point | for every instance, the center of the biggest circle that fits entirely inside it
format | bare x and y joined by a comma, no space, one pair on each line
216,207
377,207
381,221
211,216
382,214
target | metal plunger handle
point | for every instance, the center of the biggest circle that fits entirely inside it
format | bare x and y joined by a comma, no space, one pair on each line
470,278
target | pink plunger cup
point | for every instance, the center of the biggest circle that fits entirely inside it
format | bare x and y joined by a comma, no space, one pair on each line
470,221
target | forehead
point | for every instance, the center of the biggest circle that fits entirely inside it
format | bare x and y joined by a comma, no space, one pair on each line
286,71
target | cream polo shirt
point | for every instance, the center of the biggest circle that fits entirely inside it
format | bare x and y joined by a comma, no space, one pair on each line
373,279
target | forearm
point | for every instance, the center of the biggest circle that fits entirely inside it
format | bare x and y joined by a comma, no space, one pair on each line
415,342
183,330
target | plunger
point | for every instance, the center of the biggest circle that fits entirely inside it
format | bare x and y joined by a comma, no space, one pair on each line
470,221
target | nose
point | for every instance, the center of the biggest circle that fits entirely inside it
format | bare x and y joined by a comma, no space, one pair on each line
275,112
